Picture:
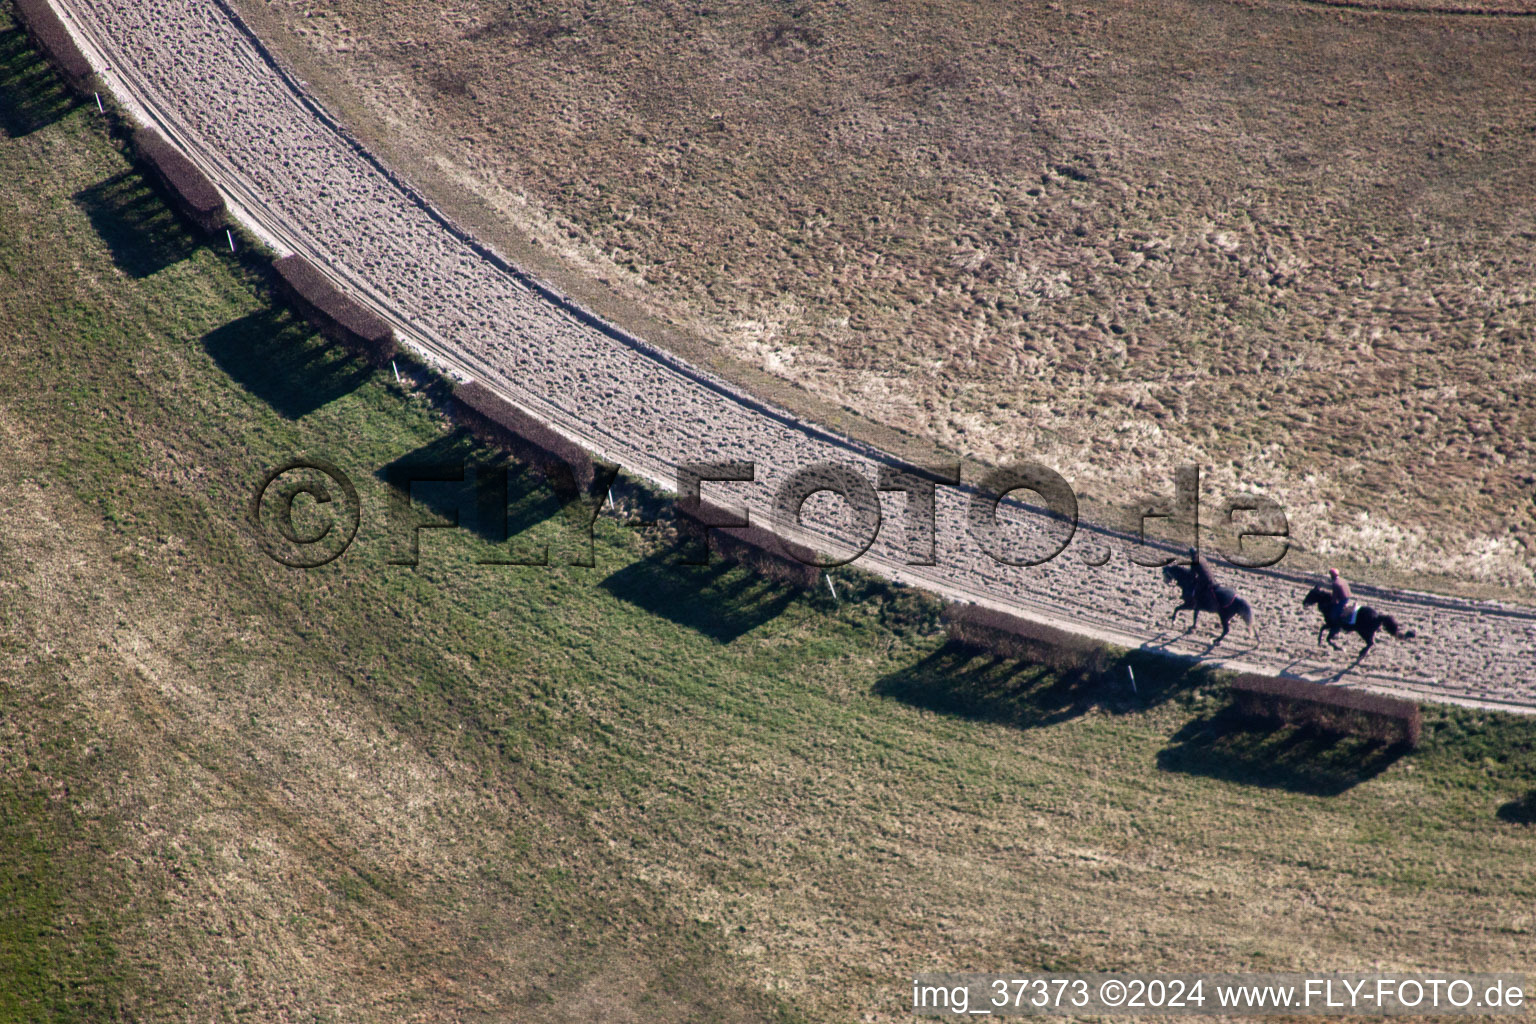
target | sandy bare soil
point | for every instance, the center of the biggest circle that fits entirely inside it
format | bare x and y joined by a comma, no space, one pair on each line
187,65
1291,242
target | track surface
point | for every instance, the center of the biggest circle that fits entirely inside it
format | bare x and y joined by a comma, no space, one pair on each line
292,173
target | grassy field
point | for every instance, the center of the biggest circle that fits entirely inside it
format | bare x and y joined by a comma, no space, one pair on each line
1286,241
632,792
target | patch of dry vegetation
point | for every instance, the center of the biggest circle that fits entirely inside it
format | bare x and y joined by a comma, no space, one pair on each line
1287,241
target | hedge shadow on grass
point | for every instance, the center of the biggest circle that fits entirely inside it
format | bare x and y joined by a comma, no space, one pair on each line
967,681
720,600
1520,811
143,234
478,501
1230,745
281,361
996,668
31,95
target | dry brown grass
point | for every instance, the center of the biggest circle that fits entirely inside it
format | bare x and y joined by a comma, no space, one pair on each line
1287,241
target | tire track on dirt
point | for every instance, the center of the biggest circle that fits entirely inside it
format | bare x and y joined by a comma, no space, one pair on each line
294,175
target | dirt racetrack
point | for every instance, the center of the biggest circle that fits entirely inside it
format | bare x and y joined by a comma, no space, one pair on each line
191,68
1290,241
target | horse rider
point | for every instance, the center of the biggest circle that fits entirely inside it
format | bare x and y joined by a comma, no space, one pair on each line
1343,600
1205,583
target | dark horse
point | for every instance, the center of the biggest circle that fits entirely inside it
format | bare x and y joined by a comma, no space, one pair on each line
1221,600
1367,620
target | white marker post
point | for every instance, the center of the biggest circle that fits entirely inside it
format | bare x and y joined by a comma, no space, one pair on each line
833,590
1133,680
392,366
610,499
231,236
99,107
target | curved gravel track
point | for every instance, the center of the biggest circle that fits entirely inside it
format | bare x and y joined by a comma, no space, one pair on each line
293,175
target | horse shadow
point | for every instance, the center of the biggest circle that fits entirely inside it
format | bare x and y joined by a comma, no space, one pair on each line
280,360
31,95
1230,746
141,232
721,600
1215,645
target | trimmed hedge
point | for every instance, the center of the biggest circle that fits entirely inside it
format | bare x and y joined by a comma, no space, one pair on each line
499,422
1013,637
1329,708
338,316
50,36
190,190
752,546
503,424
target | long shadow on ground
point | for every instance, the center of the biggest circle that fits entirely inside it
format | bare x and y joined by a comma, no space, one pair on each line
1520,811
31,95
456,479
280,360
1230,746
961,680
720,600
139,229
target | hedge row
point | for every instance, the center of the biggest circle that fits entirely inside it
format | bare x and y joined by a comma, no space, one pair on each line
53,40
752,546
336,315
347,321
498,421
1330,708
1013,637
190,190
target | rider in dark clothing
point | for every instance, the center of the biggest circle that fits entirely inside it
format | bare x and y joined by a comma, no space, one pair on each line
1341,595
1205,583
